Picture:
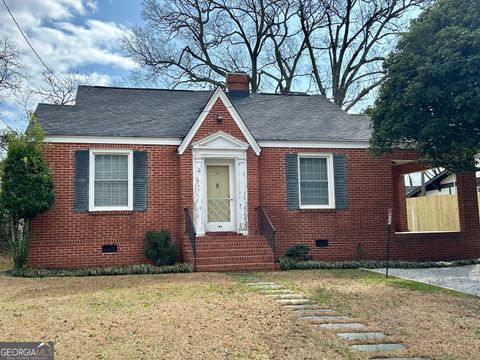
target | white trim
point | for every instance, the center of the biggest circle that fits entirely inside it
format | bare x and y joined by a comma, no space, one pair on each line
91,185
220,147
208,142
331,181
315,144
219,93
112,140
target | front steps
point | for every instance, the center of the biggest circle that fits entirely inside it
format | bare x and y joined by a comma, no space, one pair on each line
231,253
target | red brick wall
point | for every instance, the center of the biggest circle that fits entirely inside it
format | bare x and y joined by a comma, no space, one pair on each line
65,238
369,186
360,231
211,126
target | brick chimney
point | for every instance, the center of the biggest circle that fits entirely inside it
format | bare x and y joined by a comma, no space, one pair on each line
238,84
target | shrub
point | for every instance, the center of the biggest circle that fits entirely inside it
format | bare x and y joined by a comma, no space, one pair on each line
299,252
27,188
159,247
101,271
290,264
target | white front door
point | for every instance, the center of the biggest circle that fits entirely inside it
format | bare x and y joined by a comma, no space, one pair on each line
220,197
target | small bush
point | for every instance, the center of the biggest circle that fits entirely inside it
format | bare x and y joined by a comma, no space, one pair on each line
159,247
102,271
290,264
299,252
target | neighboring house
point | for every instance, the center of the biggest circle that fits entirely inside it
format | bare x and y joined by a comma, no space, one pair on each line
228,167
443,183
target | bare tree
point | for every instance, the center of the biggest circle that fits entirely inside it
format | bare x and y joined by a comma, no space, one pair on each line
337,45
358,34
60,89
10,64
200,41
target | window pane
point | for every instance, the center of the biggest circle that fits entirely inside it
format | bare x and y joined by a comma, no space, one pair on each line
313,169
111,180
314,192
111,167
313,181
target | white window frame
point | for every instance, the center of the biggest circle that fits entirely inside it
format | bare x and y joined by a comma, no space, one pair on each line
91,187
330,176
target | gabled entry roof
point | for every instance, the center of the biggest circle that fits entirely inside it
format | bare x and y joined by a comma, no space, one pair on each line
219,94
157,113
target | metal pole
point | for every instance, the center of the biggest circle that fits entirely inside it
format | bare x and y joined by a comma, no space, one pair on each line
388,250
389,223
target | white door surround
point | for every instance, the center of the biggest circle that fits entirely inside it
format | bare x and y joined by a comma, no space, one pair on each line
217,149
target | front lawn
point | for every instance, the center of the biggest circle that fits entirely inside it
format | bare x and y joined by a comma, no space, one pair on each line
429,320
175,316
216,316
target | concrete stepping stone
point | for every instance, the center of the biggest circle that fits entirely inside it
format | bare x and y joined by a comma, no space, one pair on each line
362,335
298,307
286,296
292,301
261,287
378,347
401,358
335,326
276,291
260,283
326,317
314,311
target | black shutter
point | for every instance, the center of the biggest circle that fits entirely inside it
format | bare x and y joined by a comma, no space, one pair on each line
139,180
291,169
340,176
81,180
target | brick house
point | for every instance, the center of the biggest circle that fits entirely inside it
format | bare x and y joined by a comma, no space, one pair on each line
221,170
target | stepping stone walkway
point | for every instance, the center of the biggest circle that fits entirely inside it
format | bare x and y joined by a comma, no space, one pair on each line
329,319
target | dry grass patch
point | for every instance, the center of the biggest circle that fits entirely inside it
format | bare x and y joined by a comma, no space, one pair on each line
175,316
430,321
6,262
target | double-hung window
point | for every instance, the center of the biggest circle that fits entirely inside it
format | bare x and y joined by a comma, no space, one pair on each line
316,183
111,180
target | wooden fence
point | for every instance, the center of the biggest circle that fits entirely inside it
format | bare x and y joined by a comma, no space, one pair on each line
433,213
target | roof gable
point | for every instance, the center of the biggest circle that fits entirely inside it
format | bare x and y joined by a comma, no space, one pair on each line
220,140
219,94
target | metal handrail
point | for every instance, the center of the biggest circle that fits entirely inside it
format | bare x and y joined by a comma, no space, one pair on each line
267,229
192,235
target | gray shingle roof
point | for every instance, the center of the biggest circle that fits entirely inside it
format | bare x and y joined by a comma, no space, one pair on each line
105,111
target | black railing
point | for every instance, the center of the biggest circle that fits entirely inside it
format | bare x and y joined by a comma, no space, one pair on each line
192,235
267,229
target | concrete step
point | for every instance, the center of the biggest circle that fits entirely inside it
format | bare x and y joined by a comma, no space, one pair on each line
237,250
249,259
237,267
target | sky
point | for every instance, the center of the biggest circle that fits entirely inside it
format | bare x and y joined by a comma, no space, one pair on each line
84,35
